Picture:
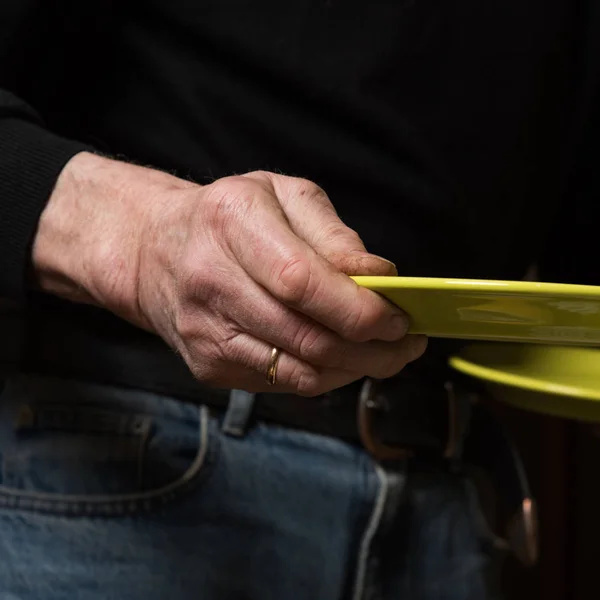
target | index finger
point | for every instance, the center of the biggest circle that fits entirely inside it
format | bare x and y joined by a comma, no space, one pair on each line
270,252
313,218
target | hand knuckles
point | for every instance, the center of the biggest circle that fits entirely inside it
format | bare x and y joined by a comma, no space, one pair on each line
361,324
305,380
292,280
186,326
309,189
316,346
235,184
194,283
264,176
336,230
310,385
230,198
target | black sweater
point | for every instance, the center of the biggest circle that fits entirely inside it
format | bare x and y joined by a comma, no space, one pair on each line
444,132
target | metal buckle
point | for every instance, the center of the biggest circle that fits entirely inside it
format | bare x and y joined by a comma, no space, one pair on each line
516,509
521,531
369,404
520,537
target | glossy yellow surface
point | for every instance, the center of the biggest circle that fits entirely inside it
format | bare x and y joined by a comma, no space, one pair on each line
552,380
522,311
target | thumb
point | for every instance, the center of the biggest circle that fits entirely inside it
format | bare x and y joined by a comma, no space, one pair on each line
313,218
361,263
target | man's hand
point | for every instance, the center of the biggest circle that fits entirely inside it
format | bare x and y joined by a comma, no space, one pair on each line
223,273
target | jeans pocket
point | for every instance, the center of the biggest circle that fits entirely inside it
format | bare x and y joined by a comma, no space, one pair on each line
84,449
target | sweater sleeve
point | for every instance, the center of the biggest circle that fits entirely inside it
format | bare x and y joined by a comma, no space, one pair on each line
31,159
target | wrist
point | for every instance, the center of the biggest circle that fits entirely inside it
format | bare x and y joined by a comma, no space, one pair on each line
88,243
57,247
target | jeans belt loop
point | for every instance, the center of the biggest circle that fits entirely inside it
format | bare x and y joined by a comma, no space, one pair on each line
239,412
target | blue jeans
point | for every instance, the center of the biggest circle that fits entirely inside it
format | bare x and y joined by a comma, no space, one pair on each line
110,493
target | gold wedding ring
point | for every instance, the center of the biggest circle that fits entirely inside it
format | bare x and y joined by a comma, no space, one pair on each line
272,368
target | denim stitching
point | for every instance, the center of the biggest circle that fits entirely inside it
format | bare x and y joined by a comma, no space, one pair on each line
114,504
370,531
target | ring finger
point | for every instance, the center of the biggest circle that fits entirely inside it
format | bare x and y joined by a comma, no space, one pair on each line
267,319
251,359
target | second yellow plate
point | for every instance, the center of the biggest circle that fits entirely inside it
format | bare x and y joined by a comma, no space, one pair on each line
564,382
518,311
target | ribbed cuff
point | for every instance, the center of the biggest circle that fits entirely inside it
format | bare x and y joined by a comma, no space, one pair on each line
31,159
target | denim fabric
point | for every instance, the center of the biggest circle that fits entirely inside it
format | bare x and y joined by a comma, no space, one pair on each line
110,493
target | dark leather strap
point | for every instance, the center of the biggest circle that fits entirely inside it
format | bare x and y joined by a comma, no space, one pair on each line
414,414
411,415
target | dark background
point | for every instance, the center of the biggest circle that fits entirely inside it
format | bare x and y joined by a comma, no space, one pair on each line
563,464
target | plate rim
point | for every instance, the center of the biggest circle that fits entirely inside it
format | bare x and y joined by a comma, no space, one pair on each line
523,382
478,285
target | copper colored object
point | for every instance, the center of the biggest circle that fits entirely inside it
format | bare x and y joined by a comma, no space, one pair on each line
522,533
368,405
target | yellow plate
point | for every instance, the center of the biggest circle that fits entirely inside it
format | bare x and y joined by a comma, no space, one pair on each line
522,311
564,382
